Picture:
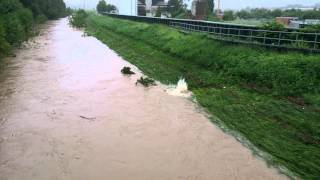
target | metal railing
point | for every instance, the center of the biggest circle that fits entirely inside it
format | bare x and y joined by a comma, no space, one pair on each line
289,39
282,39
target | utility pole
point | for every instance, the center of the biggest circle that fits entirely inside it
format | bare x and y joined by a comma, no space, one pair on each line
84,4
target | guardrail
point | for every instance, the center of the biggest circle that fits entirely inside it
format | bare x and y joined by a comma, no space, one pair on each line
281,39
289,39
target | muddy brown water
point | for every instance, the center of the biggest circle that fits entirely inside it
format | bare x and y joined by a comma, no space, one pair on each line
67,113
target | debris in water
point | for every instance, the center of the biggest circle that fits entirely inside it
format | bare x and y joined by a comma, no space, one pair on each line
88,118
181,89
127,70
146,82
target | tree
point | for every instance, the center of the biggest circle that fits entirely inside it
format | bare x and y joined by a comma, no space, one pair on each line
276,13
111,8
158,12
243,14
4,45
175,7
210,7
102,6
52,9
229,15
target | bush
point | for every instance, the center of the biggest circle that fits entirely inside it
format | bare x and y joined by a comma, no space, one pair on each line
78,19
311,29
4,45
26,19
229,16
127,70
15,32
146,82
273,26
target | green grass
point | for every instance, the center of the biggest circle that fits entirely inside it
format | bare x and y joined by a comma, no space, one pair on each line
270,98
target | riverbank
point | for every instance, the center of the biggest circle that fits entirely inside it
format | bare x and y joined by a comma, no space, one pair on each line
19,21
268,97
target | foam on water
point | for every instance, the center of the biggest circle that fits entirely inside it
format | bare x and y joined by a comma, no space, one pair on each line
181,89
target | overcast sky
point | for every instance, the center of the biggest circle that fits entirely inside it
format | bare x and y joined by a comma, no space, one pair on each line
124,6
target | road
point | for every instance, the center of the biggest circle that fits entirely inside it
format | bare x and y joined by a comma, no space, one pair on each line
67,113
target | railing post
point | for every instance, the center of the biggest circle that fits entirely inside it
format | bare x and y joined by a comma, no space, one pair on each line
279,40
315,42
264,37
251,35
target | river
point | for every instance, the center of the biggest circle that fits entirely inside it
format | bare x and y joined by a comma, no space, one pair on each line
67,113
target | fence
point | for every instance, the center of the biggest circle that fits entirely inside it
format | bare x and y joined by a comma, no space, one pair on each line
289,39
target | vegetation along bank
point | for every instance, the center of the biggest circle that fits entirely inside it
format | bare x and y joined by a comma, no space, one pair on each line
271,98
18,18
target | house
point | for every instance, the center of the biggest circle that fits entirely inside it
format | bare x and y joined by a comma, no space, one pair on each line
285,20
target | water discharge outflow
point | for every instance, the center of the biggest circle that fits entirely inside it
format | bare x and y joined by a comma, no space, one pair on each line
181,89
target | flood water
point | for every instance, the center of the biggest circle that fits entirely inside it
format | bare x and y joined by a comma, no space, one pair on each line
67,113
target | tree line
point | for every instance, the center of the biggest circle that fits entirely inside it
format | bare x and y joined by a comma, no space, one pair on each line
18,17
178,8
263,13
104,7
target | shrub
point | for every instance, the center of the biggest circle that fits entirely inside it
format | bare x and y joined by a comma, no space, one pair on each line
78,19
4,45
127,70
15,32
273,26
146,82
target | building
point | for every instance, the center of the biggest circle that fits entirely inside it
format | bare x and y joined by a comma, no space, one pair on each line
285,20
303,23
150,7
199,9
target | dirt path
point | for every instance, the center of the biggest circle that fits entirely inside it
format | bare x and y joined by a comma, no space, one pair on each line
66,113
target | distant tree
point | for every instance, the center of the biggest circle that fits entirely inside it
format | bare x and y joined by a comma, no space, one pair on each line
102,6
175,7
276,13
229,15
158,12
243,14
4,45
111,8
210,7
259,13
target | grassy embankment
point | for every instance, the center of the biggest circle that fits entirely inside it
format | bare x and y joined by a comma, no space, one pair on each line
270,98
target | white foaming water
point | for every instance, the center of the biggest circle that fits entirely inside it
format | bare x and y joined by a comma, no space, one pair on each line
181,89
